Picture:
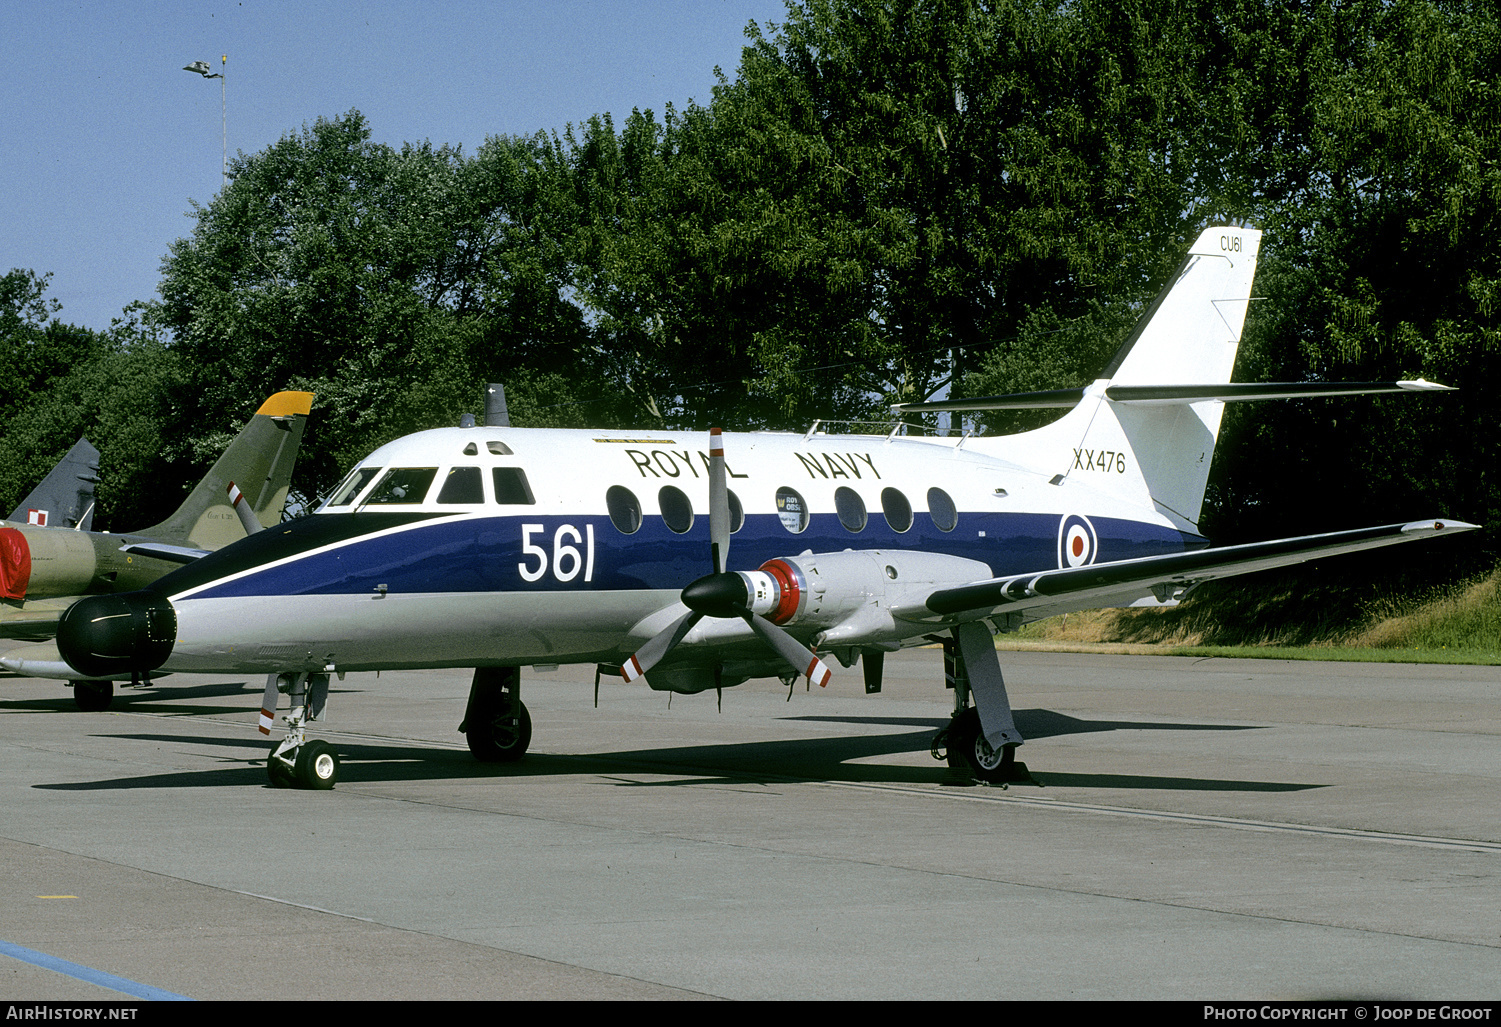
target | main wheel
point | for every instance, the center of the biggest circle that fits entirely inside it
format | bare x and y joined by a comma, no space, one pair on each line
317,765
281,775
93,696
969,752
499,734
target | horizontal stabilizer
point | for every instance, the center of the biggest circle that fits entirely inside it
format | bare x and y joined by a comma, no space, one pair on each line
1164,395
1167,395
163,551
1173,573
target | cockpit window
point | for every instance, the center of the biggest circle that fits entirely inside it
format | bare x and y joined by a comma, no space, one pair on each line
357,480
463,485
402,486
512,488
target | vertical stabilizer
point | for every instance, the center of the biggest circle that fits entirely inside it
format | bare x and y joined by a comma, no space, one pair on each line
259,461
65,498
1157,454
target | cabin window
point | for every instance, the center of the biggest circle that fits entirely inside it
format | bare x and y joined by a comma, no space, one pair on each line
625,509
402,486
850,508
511,487
677,511
737,513
463,485
357,480
941,508
792,510
896,508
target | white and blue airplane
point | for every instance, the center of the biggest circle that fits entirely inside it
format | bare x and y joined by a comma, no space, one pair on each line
699,560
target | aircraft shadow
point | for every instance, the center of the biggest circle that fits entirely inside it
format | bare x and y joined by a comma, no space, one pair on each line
147,700
764,762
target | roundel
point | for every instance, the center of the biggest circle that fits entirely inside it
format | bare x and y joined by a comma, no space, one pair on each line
1077,542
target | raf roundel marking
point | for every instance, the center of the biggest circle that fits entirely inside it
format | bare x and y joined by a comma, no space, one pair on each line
1078,544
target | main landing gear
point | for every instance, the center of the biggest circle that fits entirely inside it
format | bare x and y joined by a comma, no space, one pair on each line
296,762
988,756
496,722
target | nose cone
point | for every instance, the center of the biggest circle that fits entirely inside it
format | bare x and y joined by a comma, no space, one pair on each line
717,595
101,636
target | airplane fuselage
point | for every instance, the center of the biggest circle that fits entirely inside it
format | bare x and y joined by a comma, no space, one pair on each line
516,546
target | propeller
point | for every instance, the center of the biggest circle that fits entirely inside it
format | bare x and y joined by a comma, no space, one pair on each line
723,593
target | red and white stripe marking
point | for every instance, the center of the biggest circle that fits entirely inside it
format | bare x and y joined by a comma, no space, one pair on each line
268,717
631,670
819,673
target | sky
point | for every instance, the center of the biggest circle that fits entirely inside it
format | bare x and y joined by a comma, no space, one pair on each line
105,142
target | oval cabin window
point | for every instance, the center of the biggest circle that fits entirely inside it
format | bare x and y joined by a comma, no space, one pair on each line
896,508
677,511
850,508
792,510
941,508
625,509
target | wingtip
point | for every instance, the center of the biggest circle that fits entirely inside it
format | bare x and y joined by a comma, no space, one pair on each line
1437,524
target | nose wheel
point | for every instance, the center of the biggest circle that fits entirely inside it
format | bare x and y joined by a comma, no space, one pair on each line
298,762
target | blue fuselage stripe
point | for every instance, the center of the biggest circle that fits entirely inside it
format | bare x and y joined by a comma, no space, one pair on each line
557,552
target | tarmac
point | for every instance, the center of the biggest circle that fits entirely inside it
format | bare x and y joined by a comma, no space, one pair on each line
1205,829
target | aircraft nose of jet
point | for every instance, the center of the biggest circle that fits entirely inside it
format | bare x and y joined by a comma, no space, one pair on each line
129,632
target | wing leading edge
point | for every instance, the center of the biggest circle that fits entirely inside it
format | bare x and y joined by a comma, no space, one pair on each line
1169,575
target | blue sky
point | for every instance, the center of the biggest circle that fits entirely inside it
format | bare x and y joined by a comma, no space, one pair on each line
105,139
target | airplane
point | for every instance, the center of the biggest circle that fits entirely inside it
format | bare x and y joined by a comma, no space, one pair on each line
65,498
495,548
44,569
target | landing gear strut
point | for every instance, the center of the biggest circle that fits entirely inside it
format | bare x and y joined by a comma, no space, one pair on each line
296,762
497,724
972,667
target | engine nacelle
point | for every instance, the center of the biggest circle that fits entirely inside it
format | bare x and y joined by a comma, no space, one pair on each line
828,589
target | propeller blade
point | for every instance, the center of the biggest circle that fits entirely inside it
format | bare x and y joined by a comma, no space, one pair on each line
658,646
796,655
719,504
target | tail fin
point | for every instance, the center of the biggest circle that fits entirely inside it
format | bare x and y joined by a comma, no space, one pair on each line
65,498
1129,437
259,461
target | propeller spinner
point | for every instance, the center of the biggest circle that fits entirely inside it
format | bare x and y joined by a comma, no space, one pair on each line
723,594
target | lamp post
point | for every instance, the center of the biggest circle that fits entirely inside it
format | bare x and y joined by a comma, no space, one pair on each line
206,70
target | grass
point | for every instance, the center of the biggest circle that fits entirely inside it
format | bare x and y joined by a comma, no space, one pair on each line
1303,620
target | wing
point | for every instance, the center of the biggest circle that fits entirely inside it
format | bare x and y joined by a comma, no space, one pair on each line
1043,593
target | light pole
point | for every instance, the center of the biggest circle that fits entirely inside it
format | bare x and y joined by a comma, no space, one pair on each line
206,70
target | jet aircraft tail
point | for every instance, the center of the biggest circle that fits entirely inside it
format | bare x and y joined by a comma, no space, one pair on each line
65,498
259,461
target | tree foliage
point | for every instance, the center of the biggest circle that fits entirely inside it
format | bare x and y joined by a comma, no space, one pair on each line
889,197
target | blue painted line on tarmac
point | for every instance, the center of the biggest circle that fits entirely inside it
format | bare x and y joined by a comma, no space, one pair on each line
85,973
